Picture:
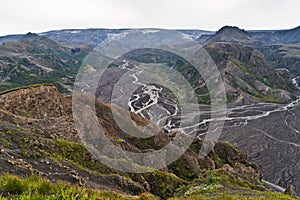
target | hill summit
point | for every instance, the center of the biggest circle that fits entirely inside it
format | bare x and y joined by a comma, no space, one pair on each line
230,34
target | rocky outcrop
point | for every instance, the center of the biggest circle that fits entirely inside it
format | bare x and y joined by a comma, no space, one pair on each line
38,102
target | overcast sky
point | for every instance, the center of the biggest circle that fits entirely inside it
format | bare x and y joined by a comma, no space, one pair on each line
22,16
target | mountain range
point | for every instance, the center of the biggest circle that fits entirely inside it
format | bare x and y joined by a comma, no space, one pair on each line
260,71
253,69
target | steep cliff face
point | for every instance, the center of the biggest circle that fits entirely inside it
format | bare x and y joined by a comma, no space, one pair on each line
38,137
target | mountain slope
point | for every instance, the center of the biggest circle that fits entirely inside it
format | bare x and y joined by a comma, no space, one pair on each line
286,56
290,36
248,75
10,38
41,139
37,59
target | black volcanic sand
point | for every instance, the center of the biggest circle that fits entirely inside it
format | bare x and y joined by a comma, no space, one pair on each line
273,143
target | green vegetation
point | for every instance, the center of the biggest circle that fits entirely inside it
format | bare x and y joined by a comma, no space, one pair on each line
241,65
39,61
183,169
6,86
230,98
24,87
219,162
213,184
164,184
218,185
77,154
238,195
210,187
119,140
9,132
202,188
272,98
35,188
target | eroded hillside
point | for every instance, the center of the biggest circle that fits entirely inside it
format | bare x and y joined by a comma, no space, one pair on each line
38,137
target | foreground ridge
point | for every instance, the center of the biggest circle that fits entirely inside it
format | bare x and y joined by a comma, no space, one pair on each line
40,146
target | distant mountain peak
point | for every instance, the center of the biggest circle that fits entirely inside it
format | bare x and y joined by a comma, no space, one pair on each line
30,37
30,34
231,34
231,29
